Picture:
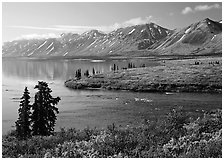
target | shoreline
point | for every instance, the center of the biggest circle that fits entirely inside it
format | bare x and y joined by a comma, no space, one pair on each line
162,88
170,76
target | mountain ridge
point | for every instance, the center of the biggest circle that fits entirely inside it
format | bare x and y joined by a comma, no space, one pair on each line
202,37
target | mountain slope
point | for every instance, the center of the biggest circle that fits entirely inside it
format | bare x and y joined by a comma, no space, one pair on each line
198,38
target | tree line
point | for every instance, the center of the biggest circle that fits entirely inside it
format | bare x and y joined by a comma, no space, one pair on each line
114,67
78,73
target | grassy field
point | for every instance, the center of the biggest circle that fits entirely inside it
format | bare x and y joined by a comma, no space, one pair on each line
171,75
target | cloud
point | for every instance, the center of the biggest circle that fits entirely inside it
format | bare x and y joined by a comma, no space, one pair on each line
81,29
131,22
37,36
136,21
206,7
187,10
200,8
39,28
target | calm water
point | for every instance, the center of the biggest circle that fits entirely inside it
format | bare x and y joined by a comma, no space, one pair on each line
94,108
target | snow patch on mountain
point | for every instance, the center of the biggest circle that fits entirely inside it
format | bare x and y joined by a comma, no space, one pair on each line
31,53
131,31
50,50
50,45
65,54
42,44
105,41
91,44
155,26
213,37
142,30
188,30
181,38
112,44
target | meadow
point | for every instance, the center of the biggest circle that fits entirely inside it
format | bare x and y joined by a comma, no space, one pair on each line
202,74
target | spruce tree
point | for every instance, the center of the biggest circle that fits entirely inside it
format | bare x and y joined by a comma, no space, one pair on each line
23,123
114,67
86,73
44,109
93,71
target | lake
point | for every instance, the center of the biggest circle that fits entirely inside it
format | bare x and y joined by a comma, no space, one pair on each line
92,108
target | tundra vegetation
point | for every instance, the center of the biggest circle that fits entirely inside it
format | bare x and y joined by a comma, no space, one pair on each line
178,135
180,75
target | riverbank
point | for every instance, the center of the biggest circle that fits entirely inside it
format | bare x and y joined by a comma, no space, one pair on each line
202,74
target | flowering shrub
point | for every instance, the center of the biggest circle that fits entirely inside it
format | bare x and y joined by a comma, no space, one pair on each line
82,149
204,139
192,146
176,136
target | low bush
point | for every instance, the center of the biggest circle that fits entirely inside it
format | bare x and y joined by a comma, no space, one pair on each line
177,136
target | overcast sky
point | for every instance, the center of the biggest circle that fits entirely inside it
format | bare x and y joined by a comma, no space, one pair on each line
49,19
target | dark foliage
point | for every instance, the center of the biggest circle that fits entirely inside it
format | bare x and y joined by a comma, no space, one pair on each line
23,123
86,73
78,74
176,136
93,71
131,65
43,117
114,67
176,120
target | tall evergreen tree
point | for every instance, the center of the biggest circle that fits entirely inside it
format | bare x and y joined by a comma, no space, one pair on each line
44,109
93,71
114,67
86,73
23,123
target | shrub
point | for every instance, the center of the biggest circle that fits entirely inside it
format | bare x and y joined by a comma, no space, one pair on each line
187,138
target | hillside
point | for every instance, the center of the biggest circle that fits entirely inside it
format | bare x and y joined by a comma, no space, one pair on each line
200,38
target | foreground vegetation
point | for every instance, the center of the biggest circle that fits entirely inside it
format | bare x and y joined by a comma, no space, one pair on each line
178,135
187,75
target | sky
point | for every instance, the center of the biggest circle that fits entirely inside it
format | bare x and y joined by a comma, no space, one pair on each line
29,20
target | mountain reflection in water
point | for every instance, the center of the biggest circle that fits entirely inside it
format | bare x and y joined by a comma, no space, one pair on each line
60,69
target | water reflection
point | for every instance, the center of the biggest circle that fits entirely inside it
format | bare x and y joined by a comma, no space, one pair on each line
18,73
60,69
90,108
50,70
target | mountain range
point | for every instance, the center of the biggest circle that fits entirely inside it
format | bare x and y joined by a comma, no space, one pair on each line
201,38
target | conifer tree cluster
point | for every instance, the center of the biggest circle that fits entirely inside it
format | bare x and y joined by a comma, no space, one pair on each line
86,73
131,65
78,74
114,67
41,120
